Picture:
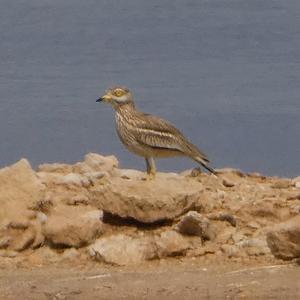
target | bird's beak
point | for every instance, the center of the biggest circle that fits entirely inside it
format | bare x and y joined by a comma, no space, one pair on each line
106,97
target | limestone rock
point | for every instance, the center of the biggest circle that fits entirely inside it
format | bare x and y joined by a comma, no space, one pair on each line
20,189
71,254
73,228
232,171
5,241
62,206
73,179
296,182
94,162
230,250
122,250
164,198
25,240
281,184
8,253
171,243
284,239
46,254
228,183
194,223
254,246
55,168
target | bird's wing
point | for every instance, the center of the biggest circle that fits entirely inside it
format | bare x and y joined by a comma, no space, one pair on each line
159,133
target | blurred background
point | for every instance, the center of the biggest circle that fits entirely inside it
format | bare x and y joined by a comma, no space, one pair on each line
226,73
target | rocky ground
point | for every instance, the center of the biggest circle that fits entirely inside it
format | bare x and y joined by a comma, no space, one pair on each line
91,230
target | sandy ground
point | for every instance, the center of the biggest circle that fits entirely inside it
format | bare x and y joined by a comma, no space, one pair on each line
172,279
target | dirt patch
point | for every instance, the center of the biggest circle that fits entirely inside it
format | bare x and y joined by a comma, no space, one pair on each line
186,279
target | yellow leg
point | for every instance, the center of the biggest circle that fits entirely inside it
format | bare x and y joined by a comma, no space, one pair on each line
151,168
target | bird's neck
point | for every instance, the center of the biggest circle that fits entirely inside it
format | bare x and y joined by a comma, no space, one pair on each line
126,107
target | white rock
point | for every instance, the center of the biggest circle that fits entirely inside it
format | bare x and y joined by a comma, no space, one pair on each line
41,217
73,179
122,250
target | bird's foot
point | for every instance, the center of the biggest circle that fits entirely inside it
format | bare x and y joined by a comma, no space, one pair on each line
150,176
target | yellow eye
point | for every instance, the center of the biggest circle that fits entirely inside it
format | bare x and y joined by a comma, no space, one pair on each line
119,92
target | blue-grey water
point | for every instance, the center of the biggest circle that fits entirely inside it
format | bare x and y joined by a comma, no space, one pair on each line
227,73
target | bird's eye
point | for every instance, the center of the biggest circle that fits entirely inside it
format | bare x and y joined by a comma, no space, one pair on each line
119,92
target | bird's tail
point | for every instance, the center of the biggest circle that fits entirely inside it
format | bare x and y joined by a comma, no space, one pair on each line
203,161
199,156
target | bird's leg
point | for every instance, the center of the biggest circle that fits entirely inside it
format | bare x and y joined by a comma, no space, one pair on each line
151,168
147,165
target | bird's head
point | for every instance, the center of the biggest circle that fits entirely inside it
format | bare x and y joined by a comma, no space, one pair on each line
117,96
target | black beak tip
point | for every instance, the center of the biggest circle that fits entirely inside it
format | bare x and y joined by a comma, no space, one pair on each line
99,100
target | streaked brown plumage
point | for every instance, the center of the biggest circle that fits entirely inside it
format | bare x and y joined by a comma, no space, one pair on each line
147,135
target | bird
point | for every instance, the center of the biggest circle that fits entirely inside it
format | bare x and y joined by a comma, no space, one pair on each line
147,135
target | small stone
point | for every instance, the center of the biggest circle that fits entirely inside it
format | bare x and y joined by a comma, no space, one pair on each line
170,243
5,241
71,254
194,223
221,194
196,172
228,183
253,225
237,237
230,250
41,217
